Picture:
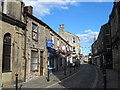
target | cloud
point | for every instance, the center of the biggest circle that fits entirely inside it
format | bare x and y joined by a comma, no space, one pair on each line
88,30
44,7
89,37
64,7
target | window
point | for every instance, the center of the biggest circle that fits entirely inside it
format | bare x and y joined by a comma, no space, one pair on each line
73,49
34,32
51,37
34,61
4,6
67,41
6,53
73,39
107,46
61,44
107,31
52,63
58,42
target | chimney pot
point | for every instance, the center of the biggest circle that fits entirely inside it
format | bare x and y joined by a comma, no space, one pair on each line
62,25
29,9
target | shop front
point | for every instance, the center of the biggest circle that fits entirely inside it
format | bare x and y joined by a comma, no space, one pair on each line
51,59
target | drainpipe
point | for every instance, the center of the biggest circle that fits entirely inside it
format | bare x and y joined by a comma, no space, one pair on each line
25,18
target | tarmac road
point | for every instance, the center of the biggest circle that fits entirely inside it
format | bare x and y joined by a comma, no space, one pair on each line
86,77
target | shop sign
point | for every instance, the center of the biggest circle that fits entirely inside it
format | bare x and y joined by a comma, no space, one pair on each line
49,43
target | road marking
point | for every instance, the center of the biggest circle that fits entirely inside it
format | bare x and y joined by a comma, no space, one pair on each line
63,79
96,79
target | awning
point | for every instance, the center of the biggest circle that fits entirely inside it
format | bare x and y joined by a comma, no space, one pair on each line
52,50
60,51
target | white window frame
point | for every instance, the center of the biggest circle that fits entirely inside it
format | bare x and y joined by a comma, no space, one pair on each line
52,37
5,6
35,63
35,32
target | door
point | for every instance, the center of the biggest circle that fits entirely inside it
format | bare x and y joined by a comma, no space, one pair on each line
41,63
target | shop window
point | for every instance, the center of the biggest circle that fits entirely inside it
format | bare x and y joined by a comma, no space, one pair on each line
34,61
34,32
51,62
6,53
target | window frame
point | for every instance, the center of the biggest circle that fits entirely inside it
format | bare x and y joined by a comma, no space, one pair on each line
35,32
73,39
73,49
7,67
33,63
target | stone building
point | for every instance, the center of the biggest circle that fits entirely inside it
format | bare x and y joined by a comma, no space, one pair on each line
57,59
114,20
39,55
35,46
74,41
101,48
11,46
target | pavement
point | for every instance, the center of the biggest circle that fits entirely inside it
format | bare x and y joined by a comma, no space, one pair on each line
112,79
41,82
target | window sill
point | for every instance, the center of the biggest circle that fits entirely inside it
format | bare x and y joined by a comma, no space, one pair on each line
6,71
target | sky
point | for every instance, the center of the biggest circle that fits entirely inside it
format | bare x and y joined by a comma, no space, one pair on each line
83,19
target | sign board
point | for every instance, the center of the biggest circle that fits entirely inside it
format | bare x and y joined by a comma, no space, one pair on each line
49,43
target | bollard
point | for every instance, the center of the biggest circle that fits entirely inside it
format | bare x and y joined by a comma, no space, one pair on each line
104,73
74,67
48,79
16,81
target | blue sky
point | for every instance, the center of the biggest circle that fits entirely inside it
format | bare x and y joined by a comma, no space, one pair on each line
80,18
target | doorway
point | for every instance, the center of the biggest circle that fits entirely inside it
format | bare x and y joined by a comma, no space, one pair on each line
41,63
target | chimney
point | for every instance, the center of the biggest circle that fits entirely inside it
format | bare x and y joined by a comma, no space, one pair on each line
94,38
28,9
61,28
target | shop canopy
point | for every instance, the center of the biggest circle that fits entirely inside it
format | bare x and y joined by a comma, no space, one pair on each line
52,50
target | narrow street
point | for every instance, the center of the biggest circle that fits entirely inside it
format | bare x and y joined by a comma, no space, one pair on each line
59,44
84,78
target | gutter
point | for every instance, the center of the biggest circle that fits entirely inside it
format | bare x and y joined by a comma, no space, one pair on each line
25,34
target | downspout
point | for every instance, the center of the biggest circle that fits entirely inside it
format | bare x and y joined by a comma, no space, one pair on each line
25,18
